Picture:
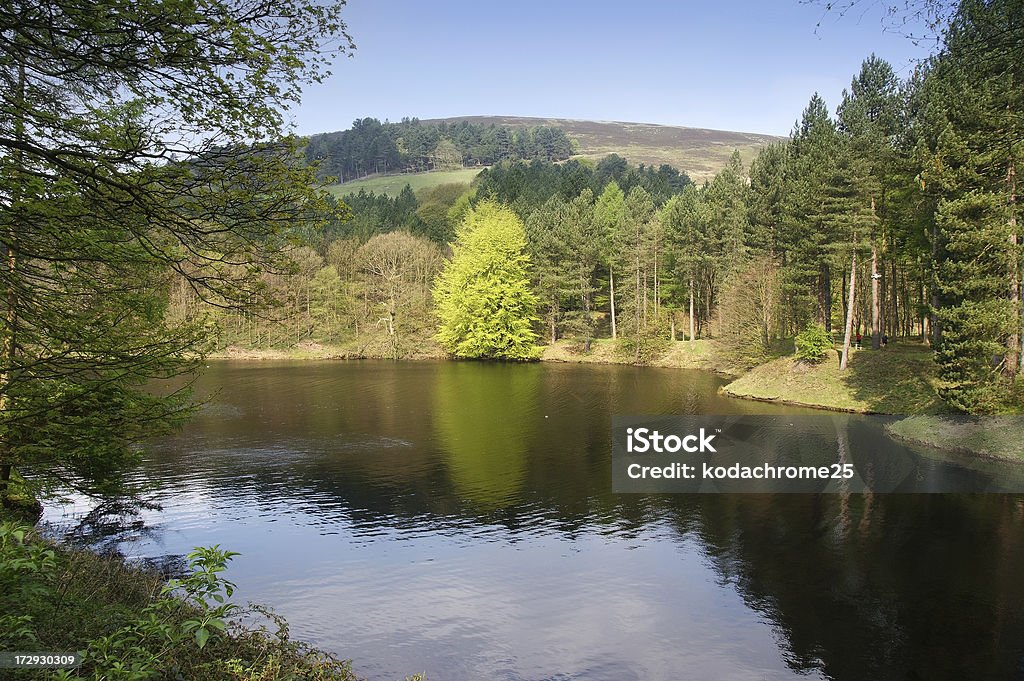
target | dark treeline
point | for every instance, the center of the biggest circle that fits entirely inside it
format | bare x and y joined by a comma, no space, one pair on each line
525,186
371,147
431,213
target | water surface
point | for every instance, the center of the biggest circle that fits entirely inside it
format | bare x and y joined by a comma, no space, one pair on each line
457,518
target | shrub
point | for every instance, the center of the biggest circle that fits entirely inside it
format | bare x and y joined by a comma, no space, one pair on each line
128,628
813,343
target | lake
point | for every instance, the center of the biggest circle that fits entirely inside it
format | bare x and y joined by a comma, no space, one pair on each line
457,518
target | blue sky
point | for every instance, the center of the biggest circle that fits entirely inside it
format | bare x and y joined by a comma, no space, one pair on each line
733,65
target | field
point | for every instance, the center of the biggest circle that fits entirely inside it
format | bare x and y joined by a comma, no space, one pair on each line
697,151
392,185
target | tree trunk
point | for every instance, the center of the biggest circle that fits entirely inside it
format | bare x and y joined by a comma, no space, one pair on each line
554,325
10,345
826,285
638,299
876,307
691,309
844,361
1013,356
894,321
657,293
611,297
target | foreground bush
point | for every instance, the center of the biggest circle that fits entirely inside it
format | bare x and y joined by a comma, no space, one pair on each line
130,626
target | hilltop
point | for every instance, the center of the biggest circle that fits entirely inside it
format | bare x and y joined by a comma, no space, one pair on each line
699,152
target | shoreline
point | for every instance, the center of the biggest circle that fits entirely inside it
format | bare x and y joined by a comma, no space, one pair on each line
997,439
124,615
680,355
897,381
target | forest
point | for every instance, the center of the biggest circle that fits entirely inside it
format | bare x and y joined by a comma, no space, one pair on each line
896,216
371,147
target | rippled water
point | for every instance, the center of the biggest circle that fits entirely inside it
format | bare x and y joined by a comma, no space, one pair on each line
457,518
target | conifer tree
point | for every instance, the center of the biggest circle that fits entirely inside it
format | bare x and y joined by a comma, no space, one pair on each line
869,117
807,275
973,99
608,213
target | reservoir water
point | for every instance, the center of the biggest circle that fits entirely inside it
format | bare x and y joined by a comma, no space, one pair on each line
457,518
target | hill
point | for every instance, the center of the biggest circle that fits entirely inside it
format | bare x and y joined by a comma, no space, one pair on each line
699,152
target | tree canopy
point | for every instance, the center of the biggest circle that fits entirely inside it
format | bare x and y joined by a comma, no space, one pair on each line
140,143
484,301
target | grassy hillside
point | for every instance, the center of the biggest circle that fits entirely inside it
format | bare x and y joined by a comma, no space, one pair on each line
697,151
392,185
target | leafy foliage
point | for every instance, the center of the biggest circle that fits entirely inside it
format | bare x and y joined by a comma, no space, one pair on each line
130,628
814,343
484,302
140,145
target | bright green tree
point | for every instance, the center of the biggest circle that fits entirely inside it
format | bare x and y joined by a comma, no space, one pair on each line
483,297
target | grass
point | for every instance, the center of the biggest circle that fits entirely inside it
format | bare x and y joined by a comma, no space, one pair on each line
990,437
678,355
900,379
367,346
392,185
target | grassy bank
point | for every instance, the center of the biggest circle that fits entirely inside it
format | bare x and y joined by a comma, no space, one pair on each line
699,354
129,624
899,379
1000,438
375,349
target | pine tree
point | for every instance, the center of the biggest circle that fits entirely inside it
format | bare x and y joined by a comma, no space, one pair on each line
869,118
686,227
549,245
806,271
973,99
608,215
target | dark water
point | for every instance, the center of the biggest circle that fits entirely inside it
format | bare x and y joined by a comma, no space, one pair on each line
456,518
